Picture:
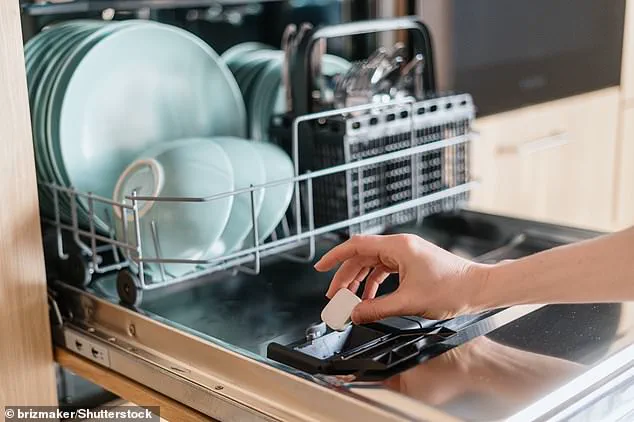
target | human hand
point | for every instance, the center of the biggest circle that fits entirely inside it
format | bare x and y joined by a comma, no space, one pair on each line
433,283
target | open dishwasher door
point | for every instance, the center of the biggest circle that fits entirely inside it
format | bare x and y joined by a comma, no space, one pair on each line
215,343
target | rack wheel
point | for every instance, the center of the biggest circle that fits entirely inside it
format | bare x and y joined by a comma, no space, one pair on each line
129,288
77,269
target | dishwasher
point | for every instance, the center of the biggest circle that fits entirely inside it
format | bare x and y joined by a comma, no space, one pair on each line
239,337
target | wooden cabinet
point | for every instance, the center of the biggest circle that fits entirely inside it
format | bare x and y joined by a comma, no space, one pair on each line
625,172
624,201
627,68
551,162
26,360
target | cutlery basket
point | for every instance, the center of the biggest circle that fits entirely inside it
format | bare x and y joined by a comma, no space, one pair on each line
441,125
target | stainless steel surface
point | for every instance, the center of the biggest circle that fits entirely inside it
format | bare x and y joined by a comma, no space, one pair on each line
529,369
204,344
210,375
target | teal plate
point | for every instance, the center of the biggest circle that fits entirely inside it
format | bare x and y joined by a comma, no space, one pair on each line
42,78
156,83
235,53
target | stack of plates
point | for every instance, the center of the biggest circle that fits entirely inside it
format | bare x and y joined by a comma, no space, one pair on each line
258,71
101,93
203,168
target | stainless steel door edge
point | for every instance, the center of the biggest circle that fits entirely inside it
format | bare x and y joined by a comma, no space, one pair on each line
206,376
171,381
610,402
582,390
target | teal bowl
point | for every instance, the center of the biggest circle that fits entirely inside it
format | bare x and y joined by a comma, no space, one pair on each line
249,169
188,168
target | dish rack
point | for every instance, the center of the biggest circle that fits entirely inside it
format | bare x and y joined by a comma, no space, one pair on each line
377,166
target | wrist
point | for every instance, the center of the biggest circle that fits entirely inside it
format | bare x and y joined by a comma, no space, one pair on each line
477,280
509,283
486,295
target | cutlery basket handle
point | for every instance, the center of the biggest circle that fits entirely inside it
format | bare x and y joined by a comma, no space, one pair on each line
301,60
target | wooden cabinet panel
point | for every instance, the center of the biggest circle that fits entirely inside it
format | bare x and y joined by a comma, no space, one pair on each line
551,162
627,67
26,360
625,172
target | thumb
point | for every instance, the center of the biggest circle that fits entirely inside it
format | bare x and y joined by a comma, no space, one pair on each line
372,310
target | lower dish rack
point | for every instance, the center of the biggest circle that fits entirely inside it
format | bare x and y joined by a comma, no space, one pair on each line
375,166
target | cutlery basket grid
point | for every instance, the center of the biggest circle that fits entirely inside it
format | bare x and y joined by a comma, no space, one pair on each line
363,190
377,187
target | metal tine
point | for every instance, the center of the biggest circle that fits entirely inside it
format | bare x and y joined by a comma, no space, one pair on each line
157,248
311,228
69,228
137,235
311,220
58,226
56,312
93,240
256,238
71,190
78,241
124,223
110,221
311,223
286,229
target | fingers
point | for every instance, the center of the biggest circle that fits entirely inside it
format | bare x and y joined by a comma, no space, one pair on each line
344,276
369,292
354,286
366,246
372,284
350,271
362,274
382,307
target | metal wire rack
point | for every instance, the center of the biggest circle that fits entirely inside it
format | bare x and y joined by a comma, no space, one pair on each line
384,173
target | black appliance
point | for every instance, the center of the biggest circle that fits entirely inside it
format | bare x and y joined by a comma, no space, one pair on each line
508,54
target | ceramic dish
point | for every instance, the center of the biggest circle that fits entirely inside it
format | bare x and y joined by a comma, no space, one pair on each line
184,230
38,52
156,84
249,169
259,74
234,53
43,78
279,167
